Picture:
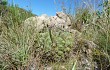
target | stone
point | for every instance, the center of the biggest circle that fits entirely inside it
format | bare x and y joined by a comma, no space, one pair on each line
37,22
64,16
49,68
61,20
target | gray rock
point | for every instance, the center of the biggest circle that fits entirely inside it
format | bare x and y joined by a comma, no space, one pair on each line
61,20
36,22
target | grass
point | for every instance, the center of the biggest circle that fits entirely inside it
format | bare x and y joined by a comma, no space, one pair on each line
22,48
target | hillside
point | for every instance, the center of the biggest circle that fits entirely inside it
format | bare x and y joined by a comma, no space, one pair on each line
13,12
8,10
60,42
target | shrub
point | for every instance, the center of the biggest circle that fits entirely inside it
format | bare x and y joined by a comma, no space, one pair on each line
3,2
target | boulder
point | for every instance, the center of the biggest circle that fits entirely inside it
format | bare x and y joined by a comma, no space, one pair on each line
61,20
56,22
37,22
64,17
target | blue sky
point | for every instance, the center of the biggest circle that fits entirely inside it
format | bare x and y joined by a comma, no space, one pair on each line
49,7
38,7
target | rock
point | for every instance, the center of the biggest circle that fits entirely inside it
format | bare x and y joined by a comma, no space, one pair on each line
86,50
49,68
36,22
61,20
56,22
63,68
65,17
90,44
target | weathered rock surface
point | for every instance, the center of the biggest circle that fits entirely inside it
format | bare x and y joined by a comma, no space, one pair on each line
61,20
36,22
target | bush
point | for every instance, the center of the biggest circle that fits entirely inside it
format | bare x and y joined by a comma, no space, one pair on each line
3,2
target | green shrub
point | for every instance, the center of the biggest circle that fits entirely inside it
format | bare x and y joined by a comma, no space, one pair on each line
3,2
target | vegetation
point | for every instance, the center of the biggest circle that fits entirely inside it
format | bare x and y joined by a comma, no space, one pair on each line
3,2
22,49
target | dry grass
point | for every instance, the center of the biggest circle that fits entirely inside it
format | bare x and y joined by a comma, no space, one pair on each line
24,49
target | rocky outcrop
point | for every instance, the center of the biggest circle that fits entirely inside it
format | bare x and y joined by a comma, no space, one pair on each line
37,22
61,20
82,48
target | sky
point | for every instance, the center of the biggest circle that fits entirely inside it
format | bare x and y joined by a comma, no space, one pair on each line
49,7
38,7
